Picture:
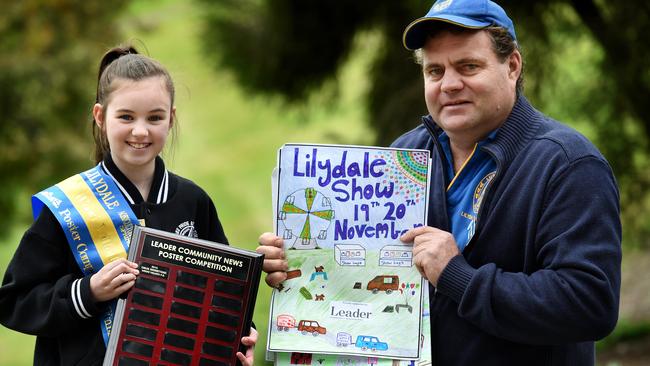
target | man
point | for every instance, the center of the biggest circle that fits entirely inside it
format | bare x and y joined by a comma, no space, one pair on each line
523,239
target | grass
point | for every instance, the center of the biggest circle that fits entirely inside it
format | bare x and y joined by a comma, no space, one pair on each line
228,139
15,348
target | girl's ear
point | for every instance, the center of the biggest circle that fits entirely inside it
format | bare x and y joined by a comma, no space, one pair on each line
172,117
98,114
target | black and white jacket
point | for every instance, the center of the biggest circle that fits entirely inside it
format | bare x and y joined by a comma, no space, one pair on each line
44,292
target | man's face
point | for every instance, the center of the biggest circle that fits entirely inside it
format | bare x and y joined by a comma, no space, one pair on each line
468,91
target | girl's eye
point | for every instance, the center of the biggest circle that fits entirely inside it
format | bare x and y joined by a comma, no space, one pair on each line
125,117
155,118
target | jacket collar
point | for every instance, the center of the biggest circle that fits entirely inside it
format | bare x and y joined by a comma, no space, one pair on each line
159,187
518,129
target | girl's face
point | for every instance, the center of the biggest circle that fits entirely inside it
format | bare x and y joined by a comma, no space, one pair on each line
136,121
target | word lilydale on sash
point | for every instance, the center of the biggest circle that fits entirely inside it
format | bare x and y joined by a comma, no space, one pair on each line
97,222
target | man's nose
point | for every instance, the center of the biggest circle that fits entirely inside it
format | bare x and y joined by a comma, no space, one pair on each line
451,81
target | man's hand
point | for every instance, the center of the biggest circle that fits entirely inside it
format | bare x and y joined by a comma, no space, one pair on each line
249,342
432,250
113,279
275,265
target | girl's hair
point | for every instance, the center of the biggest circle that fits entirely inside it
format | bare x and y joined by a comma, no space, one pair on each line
123,63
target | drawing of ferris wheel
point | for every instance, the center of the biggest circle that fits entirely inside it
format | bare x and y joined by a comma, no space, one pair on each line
306,215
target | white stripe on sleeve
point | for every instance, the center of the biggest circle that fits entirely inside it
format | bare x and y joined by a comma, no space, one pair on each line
76,299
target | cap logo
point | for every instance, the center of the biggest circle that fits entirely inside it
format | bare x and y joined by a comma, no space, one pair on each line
442,5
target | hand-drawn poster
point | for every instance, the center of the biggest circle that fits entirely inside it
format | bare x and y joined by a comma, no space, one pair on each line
289,359
341,211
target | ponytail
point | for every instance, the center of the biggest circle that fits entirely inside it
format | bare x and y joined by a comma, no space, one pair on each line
110,56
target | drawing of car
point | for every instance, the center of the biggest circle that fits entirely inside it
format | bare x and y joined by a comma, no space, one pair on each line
343,339
311,326
285,322
371,343
388,283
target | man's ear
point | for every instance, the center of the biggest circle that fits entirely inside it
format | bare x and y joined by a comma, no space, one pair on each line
514,65
98,114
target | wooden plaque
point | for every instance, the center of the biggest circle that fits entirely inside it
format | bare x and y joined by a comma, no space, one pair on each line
191,304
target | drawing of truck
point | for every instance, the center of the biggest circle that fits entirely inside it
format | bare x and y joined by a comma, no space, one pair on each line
371,343
311,326
285,322
343,339
388,283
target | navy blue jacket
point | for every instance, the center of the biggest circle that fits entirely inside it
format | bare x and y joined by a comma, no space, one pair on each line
539,282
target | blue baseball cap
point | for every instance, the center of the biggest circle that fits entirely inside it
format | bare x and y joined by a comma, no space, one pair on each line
475,14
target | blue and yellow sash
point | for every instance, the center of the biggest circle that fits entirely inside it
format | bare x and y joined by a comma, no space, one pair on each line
96,219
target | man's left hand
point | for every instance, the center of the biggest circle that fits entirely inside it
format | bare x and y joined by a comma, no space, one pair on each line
249,342
432,250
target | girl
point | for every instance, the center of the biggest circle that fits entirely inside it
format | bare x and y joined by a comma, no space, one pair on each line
56,286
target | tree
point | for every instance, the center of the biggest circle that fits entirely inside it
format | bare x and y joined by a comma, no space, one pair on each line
48,56
290,47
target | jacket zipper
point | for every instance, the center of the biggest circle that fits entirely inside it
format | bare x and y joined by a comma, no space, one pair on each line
471,244
493,182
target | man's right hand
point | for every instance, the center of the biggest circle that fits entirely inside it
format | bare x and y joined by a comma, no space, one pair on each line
275,264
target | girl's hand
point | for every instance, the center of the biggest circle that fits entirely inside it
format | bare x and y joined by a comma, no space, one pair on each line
113,279
249,342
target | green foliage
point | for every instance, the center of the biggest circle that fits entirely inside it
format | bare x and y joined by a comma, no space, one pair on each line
625,331
587,64
590,69
290,47
247,29
48,53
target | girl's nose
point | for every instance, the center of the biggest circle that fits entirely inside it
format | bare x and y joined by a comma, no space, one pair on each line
139,129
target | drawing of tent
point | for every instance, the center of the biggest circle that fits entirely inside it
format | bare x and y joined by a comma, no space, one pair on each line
396,256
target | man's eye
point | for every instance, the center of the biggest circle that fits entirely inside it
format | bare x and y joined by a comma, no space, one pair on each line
436,73
470,67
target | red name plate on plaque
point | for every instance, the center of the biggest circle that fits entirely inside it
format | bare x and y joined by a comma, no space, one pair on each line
191,304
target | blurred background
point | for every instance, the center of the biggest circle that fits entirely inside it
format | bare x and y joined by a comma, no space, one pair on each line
253,74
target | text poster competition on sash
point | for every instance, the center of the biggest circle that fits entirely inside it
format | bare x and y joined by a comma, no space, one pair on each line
341,211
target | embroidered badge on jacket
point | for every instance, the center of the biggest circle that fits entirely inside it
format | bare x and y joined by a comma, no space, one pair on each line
187,229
